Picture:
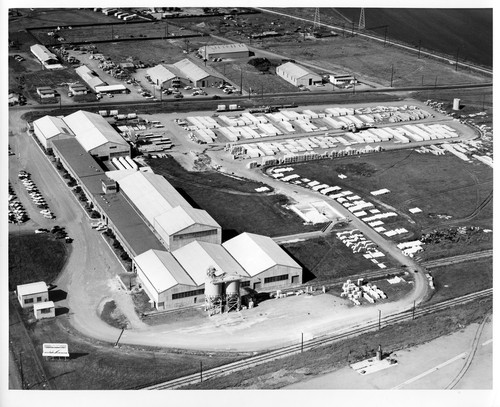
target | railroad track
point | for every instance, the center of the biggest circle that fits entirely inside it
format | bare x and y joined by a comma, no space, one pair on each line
315,343
458,259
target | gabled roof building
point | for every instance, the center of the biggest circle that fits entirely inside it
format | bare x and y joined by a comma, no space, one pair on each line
297,75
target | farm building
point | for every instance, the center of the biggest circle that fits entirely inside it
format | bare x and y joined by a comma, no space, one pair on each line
44,310
89,77
50,127
198,77
267,264
96,135
33,293
46,58
77,89
163,77
297,75
46,92
173,219
224,51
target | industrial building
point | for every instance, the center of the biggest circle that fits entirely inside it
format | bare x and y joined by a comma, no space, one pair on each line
342,79
89,77
266,263
77,89
297,75
96,135
224,51
119,88
173,219
48,128
198,77
163,76
46,92
46,58
33,293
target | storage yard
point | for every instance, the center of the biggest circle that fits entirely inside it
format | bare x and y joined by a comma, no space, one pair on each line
218,216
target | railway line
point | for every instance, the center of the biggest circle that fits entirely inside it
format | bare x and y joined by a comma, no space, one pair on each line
316,342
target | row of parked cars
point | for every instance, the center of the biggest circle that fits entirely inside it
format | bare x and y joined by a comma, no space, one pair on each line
35,194
17,213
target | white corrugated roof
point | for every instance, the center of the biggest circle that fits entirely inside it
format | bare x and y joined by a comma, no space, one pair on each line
32,288
160,73
295,70
197,257
43,305
162,270
191,70
42,53
257,253
152,194
92,130
51,126
219,48
180,218
89,76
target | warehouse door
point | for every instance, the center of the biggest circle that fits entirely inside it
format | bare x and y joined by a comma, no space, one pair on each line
256,286
310,81
295,279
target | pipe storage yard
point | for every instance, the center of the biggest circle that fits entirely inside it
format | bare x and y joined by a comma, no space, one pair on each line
301,135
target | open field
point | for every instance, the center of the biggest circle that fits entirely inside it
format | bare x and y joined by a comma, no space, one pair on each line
35,257
114,32
95,365
233,203
282,372
326,258
461,279
439,185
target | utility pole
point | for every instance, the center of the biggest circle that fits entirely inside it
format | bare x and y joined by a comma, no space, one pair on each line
392,73
379,316
385,36
436,81
413,315
201,371
111,31
422,80
241,81
419,44
302,343
456,62
352,29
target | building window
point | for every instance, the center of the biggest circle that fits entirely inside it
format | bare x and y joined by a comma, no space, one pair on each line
188,294
268,280
45,311
245,284
195,235
28,301
38,299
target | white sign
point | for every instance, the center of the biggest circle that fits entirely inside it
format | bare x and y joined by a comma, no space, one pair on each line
55,350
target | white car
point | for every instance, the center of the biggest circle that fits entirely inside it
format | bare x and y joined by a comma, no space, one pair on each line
187,87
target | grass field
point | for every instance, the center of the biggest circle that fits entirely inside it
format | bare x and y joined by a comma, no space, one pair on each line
461,279
282,372
233,203
94,365
326,258
35,257
435,184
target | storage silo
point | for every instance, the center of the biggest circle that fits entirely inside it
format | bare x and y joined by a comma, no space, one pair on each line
213,293
456,104
232,291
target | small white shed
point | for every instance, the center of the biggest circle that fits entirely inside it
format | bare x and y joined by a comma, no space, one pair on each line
44,310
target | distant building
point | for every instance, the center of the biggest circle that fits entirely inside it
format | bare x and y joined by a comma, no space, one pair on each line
198,77
163,76
78,89
48,128
44,310
46,58
297,75
224,51
89,77
33,293
96,135
119,88
46,92
342,79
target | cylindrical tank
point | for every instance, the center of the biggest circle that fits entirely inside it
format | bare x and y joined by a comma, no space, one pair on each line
233,288
456,104
212,290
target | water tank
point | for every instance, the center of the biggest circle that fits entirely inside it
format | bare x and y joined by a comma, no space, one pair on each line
456,104
233,288
212,290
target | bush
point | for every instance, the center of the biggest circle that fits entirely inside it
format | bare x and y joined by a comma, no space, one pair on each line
95,215
115,244
66,175
59,166
82,198
77,190
71,183
125,256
